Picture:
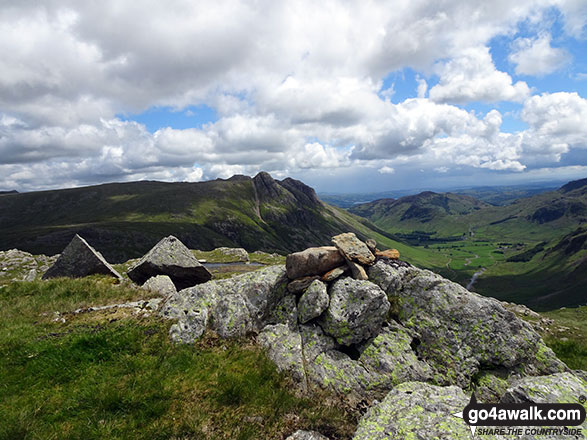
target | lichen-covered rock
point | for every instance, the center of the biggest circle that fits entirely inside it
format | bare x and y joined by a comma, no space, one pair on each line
284,348
79,259
313,302
160,284
460,331
235,255
312,261
187,330
235,306
306,435
416,410
285,312
353,249
554,388
390,356
336,370
490,387
356,311
172,258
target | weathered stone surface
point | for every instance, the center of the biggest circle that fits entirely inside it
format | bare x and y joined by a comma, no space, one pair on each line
16,265
371,244
459,331
301,284
356,312
285,312
353,249
392,254
172,258
79,259
312,261
335,273
284,348
313,302
236,255
335,370
160,284
554,388
237,305
306,435
416,410
187,330
390,356
357,270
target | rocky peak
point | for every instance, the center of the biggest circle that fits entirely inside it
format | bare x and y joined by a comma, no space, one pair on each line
267,187
302,192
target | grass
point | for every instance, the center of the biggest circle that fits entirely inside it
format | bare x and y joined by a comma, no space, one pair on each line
122,378
568,336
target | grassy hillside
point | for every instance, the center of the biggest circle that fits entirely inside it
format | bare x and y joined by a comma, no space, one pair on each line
124,220
532,251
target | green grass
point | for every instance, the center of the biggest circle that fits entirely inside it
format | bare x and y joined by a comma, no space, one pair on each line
99,376
568,336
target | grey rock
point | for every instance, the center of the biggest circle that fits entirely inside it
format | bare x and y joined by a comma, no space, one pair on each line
312,261
160,284
79,259
335,370
306,435
187,330
353,249
357,270
554,388
416,410
230,316
172,258
285,312
284,348
301,284
31,276
314,341
459,331
313,302
356,311
334,273
237,255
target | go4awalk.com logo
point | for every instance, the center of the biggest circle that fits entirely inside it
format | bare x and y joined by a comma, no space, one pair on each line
558,419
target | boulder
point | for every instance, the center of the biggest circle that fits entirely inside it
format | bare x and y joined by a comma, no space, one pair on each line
356,311
306,435
190,328
334,273
353,249
230,317
312,261
172,258
357,270
313,302
392,254
301,284
284,348
554,388
285,312
160,284
79,259
416,410
235,255
459,331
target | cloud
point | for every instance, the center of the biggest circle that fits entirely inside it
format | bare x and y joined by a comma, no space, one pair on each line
472,76
535,56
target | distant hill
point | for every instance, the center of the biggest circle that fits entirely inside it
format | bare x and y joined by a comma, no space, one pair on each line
123,220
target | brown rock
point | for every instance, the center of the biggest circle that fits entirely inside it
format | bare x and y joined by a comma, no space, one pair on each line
353,249
372,245
357,270
392,254
312,261
334,273
301,284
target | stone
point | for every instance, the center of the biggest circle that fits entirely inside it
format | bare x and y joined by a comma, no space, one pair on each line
285,312
306,435
235,255
160,284
356,311
312,261
313,302
230,317
79,259
392,254
190,328
371,244
334,273
416,410
31,275
172,258
460,331
358,271
554,388
353,249
284,348
301,284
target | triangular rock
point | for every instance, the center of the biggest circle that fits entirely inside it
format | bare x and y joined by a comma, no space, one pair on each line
172,258
79,259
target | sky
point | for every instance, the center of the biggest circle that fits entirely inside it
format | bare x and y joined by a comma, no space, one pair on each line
347,96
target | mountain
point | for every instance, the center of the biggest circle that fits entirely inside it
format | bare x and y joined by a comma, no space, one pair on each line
123,220
532,251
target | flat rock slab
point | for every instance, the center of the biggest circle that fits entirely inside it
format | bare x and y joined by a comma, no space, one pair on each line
353,249
79,259
172,258
392,254
312,261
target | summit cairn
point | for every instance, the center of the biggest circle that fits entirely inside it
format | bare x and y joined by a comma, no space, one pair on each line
172,258
79,259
